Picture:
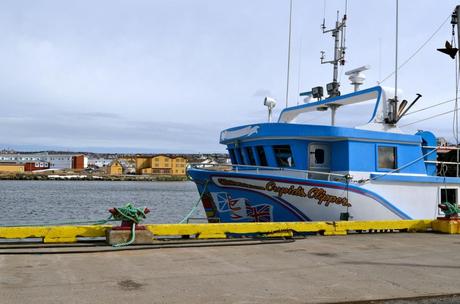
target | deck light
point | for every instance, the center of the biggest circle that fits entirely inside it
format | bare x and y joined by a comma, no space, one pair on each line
270,103
333,89
317,92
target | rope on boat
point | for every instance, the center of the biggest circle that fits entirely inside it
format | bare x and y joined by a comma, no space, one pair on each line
397,169
185,219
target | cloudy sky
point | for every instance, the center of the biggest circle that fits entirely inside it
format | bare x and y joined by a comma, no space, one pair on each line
168,76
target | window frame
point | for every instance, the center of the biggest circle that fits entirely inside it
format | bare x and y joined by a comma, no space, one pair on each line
262,161
250,156
239,156
377,154
277,158
441,188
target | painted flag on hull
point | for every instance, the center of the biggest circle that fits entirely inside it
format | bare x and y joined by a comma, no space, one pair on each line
221,199
238,207
260,213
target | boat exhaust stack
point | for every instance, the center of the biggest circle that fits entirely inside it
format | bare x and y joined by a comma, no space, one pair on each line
395,112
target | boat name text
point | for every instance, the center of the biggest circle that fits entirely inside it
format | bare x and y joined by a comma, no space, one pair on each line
316,193
321,195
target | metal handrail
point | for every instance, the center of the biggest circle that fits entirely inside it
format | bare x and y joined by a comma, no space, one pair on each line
457,163
441,162
264,168
441,147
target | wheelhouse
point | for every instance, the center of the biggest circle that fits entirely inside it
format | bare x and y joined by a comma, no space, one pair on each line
331,149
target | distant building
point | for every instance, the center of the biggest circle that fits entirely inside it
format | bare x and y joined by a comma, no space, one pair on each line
161,165
56,161
115,168
11,167
79,162
99,162
34,166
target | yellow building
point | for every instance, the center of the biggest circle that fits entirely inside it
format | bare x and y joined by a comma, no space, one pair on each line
11,167
115,168
160,165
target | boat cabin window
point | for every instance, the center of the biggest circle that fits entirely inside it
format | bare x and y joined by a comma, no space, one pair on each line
252,160
231,153
239,157
283,156
386,157
449,195
319,156
261,153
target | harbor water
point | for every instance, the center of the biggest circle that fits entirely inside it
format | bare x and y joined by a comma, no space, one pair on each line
50,202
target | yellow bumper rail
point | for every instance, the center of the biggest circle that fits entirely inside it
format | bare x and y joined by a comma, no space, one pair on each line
70,234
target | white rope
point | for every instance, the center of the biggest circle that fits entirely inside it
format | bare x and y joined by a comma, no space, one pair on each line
400,168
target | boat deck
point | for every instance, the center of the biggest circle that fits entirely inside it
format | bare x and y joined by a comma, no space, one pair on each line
316,269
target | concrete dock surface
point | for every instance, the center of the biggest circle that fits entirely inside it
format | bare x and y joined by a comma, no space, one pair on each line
317,269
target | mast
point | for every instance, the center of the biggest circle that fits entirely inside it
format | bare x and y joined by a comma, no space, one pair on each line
396,52
392,116
339,53
289,54
455,19
338,32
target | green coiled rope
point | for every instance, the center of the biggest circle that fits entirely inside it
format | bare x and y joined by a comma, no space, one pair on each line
129,213
132,214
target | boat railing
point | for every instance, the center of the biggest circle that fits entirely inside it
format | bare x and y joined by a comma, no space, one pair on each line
259,169
441,147
445,148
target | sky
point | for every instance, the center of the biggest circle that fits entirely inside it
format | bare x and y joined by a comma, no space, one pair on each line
167,76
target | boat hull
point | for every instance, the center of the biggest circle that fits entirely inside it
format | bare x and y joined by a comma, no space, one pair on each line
229,196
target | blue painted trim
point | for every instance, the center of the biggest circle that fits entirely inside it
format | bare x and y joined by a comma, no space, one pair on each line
289,205
377,103
416,179
290,130
329,184
294,211
378,89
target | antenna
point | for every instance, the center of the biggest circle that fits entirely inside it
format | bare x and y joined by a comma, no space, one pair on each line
396,52
339,53
392,113
289,54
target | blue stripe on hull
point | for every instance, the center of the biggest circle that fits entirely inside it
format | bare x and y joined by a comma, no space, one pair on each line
291,213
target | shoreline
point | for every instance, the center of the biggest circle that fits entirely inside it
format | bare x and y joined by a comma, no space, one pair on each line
76,177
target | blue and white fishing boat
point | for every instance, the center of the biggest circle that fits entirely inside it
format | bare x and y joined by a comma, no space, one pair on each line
288,171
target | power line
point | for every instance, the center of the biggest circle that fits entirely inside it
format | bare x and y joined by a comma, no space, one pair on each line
427,118
418,50
432,106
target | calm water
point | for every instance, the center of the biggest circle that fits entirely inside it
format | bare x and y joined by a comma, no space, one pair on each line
30,202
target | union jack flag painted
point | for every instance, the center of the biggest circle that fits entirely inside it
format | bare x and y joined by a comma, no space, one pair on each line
222,199
238,207
260,213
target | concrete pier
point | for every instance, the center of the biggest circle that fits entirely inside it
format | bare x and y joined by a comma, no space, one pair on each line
312,270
